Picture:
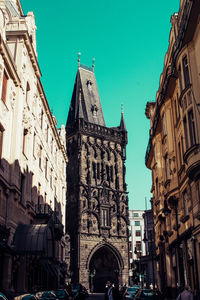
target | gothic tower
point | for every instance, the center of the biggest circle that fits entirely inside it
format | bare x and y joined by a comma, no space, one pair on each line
97,202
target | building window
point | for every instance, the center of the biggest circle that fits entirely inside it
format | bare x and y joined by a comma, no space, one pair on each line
47,133
138,245
191,128
27,93
185,131
41,121
4,87
52,145
1,140
40,158
167,167
51,179
135,215
46,168
180,155
180,78
137,223
137,233
164,127
34,138
185,200
186,71
25,133
198,191
104,217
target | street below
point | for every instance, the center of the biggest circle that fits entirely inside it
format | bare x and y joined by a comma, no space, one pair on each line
96,296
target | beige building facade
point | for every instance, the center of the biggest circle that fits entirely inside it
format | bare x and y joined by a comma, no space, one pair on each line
32,164
173,155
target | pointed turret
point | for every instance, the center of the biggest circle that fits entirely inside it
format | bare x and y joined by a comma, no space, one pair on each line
122,123
85,102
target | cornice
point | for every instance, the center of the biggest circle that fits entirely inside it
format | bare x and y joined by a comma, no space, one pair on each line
5,52
24,34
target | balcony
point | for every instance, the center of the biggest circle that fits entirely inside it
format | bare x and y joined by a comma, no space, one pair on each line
43,211
192,160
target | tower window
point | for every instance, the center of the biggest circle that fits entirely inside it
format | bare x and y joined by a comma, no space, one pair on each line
108,173
94,170
98,171
104,217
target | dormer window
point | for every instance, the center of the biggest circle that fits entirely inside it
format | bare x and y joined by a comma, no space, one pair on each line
94,110
89,84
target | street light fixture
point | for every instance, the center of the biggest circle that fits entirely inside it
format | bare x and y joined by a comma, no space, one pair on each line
92,274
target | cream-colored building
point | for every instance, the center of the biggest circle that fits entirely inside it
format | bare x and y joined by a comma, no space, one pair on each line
32,164
173,155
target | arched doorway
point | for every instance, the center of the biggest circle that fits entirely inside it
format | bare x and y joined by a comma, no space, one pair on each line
103,266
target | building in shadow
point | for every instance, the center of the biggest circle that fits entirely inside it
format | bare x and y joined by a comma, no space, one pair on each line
173,155
32,164
97,202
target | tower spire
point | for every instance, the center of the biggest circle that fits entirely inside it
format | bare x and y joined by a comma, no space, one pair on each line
93,65
122,123
79,58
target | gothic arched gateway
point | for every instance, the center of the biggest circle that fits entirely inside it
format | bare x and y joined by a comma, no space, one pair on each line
104,265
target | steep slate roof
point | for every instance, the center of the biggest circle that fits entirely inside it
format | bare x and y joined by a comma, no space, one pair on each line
85,102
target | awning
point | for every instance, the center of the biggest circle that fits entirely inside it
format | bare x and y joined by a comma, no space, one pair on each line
31,239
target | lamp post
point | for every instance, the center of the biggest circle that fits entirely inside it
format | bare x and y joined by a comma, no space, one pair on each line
92,274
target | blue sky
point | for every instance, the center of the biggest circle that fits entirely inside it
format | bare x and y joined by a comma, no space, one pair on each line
128,40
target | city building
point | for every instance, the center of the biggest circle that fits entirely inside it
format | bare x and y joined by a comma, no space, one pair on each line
173,155
149,260
136,244
97,202
32,164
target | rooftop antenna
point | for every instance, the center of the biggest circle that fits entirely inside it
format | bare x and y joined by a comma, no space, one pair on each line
93,65
79,56
122,108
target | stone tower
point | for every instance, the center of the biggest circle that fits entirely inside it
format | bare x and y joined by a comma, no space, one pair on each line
97,202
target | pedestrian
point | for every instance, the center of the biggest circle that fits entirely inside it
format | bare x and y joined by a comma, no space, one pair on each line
108,291
186,294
